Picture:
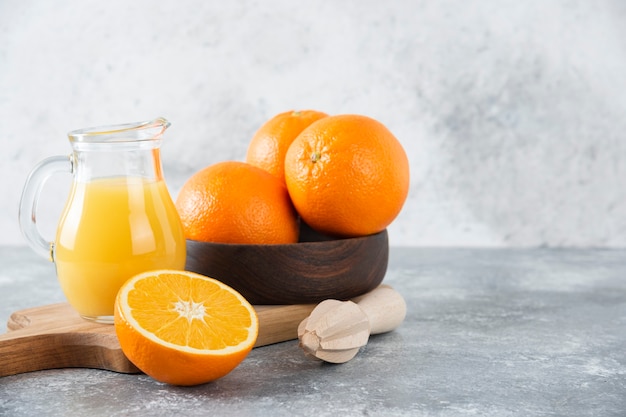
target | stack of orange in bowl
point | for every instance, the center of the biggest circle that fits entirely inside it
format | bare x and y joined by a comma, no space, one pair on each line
304,218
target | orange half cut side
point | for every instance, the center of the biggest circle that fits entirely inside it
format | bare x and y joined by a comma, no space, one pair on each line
183,328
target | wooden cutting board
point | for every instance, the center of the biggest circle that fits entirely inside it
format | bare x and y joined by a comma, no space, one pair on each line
55,336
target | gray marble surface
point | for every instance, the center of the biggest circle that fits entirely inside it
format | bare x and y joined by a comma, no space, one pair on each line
495,332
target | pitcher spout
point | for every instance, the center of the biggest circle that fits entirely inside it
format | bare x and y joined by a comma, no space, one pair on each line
160,124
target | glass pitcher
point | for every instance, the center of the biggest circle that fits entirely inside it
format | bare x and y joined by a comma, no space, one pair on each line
119,219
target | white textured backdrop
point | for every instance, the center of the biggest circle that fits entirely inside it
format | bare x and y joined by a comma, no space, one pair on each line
513,113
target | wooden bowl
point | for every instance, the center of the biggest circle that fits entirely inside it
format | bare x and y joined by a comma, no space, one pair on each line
313,270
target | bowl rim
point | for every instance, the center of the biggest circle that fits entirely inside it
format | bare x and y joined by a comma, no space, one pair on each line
328,240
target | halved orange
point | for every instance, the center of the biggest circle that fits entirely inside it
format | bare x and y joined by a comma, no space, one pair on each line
183,328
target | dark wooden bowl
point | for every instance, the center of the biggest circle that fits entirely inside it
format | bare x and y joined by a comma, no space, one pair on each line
313,270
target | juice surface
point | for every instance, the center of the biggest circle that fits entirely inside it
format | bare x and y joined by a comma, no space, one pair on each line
112,229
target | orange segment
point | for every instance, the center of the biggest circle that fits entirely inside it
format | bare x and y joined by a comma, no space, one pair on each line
183,328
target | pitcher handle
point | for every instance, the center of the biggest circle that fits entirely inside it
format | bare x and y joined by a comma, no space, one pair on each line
30,198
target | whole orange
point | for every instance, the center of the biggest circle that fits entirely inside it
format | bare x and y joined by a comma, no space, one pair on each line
347,175
269,144
235,202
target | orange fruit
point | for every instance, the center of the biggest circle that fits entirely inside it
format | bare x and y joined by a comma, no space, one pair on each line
183,328
347,175
269,144
235,202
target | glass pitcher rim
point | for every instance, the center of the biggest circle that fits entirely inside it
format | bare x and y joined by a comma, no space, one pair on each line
147,130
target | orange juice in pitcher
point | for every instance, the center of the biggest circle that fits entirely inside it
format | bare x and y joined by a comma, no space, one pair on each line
119,219
126,228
